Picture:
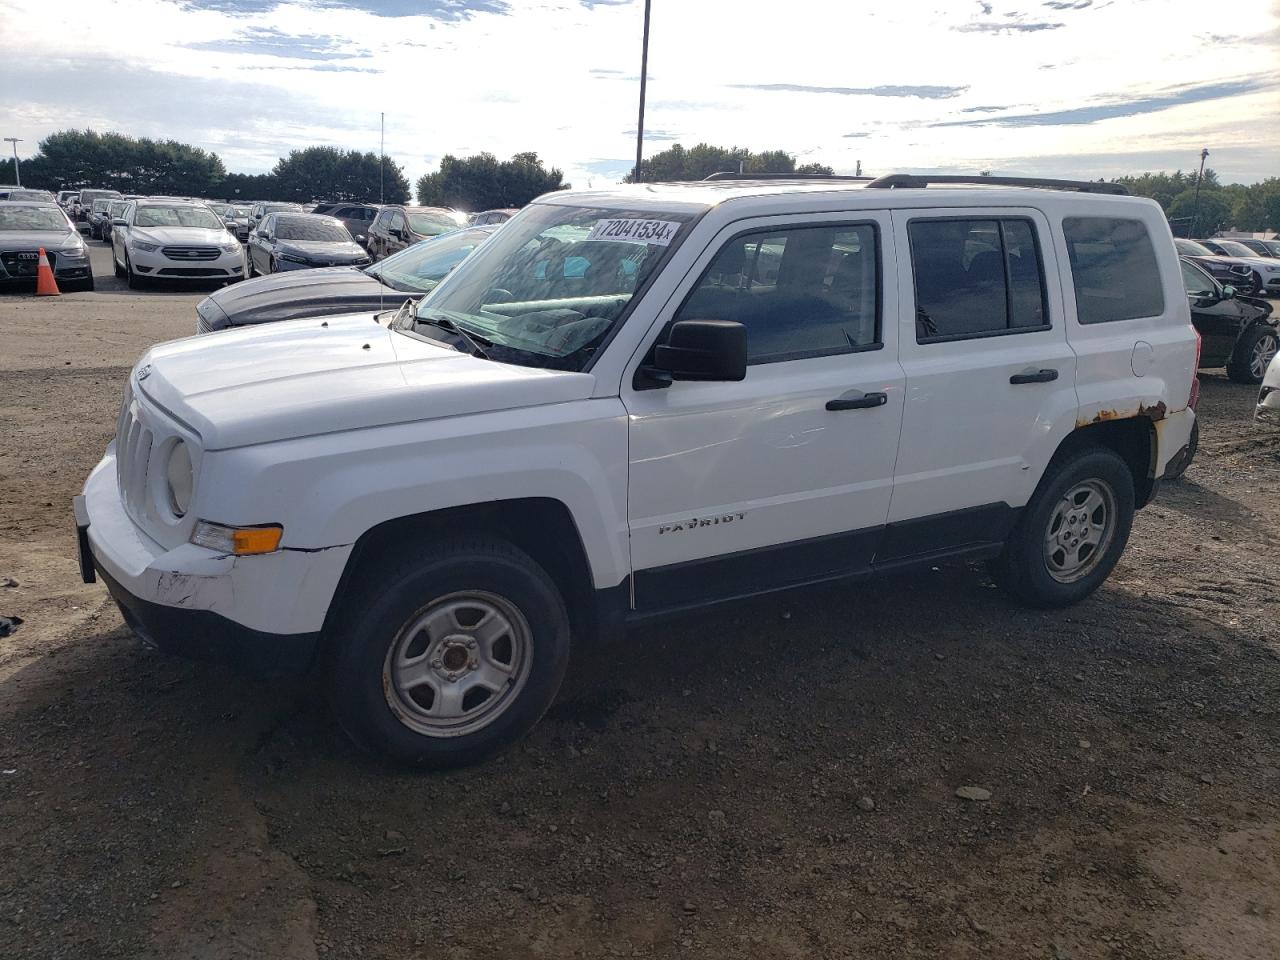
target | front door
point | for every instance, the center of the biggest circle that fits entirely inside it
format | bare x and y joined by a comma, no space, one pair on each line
990,378
786,476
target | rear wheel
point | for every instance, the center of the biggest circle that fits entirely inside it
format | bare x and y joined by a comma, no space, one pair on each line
1253,354
451,655
1072,533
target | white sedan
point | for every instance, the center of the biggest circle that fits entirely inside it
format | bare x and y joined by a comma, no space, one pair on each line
173,240
1268,409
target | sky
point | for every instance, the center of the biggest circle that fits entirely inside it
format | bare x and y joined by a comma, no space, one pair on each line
1071,88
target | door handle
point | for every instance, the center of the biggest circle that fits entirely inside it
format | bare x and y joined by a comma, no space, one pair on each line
1040,376
857,400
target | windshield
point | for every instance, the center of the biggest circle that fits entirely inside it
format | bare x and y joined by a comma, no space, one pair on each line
1190,248
275,207
239,212
177,217
431,224
311,227
100,206
1273,246
1235,249
419,268
549,286
31,218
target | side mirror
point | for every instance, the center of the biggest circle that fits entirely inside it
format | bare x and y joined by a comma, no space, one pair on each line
701,350
360,238
1228,292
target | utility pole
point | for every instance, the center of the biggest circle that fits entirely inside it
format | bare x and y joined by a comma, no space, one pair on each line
1195,210
17,175
382,154
644,76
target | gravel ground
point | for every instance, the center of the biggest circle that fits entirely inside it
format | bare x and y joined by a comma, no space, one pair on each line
775,780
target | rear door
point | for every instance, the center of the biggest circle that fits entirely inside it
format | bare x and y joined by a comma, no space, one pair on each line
990,378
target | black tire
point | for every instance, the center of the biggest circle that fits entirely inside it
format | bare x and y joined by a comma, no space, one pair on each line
115,266
375,615
1023,568
1175,471
132,279
249,270
1240,368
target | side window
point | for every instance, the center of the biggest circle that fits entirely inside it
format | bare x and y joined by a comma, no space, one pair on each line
976,278
799,291
398,222
1197,282
1113,269
383,221
367,214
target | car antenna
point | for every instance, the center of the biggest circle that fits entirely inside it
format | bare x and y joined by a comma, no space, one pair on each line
382,162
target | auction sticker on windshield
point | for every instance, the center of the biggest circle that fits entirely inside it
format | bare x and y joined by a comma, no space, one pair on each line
657,233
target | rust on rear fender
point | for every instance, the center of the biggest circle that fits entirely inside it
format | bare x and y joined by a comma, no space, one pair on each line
1157,411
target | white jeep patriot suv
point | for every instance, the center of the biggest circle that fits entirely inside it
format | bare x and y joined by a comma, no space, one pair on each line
642,400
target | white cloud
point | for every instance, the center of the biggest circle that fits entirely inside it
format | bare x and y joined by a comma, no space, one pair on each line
558,77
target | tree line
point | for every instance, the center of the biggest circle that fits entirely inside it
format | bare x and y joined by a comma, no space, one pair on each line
85,158
1253,208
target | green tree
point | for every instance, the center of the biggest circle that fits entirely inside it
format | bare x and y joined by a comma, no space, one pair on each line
699,162
85,158
1213,212
328,173
482,182
246,187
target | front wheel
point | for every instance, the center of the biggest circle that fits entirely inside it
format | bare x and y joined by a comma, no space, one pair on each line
451,655
1070,536
133,281
1253,354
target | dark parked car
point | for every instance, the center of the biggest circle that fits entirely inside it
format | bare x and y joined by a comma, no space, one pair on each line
301,241
261,209
1228,270
99,220
357,216
338,290
398,227
235,216
492,216
1236,332
26,227
85,203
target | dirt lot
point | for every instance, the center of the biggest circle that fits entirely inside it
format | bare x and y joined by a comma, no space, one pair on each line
773,781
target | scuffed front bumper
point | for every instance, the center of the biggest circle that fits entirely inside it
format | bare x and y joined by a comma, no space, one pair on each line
260,614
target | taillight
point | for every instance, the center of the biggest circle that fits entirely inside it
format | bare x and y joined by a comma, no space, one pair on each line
1195,379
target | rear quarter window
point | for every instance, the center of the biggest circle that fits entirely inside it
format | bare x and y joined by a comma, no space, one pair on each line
1113,269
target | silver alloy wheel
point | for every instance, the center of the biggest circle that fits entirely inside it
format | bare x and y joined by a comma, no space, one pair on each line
1263,353
1080,530
458,664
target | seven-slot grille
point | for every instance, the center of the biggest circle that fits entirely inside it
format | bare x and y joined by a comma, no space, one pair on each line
133,457
191,253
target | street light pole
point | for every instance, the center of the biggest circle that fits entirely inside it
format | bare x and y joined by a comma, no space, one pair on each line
1195,209
17,174
644,76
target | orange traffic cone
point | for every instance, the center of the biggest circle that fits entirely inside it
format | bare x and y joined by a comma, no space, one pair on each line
46,286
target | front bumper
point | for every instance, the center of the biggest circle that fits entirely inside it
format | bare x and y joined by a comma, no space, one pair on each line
260,614
155,264
1268,408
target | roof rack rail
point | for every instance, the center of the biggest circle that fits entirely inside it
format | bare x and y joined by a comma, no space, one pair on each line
734,175
905,180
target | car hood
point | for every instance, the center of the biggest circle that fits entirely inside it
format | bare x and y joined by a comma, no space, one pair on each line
182,236
30,239
326,291
322,249
313,376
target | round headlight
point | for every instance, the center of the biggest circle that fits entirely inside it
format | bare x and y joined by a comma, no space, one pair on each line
180,477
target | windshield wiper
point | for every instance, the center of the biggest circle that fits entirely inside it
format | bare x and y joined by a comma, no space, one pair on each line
472,340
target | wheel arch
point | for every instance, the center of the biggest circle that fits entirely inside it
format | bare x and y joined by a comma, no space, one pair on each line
542,527
1134,439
